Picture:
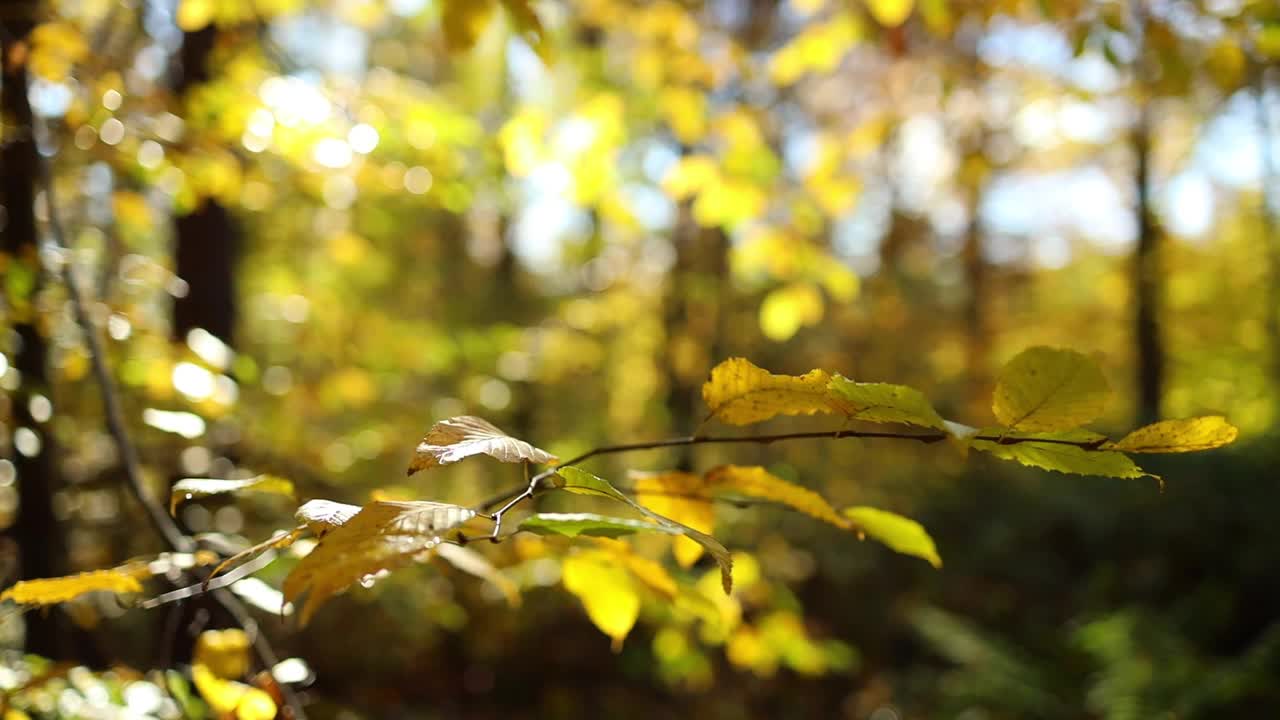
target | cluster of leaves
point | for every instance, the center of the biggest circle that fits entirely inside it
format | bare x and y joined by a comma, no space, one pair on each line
1041,400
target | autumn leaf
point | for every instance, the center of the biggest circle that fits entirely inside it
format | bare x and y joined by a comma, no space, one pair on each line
883,403
192,488
321,516
384,535
607,591
591,525
679,496
739,393
582,482
1064,458
1049,389
458,438
224,652
900,534
51,591
229,698
1174,436
530,28
760,483
463,21
890,13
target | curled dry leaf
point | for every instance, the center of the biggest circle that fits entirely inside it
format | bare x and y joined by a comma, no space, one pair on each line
383,535
321,516
458,438
192,488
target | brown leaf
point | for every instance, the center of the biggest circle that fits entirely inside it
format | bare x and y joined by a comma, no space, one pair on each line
458,438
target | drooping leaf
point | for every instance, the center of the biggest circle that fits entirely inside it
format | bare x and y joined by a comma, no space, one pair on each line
679,496
760,483
192,488
1064,458
384,535
901,534
589,524
51,591
606,590
473,563
1173,436
321,516
229,698
890,13
224,652
739,393
884,403
583,482
458,438
650,573
1050,389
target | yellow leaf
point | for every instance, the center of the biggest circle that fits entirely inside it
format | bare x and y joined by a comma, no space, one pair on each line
224,652
650,573
685,110
1173,436
226,697
1050,389
530,28
690,175
1064,458
785,310
50,591
458,438
679,496
384,535
55,48
884,403
606,590
739,393
890,13
194,14
760,483
901,534
191,488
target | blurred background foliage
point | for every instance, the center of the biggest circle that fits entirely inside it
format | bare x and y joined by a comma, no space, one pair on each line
311,229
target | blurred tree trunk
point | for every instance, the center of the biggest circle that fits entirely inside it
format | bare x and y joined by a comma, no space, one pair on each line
976,322
1147,290
41,546
1270,211
207,241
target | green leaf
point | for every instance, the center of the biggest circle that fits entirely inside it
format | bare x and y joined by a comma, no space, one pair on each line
590,524
884,403
584,483
901,534
1050,389
1065,458
739,393
1173,436
191,488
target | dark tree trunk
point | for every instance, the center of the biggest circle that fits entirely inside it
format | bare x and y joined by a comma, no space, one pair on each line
1149,346
41,546
1270,212
207,241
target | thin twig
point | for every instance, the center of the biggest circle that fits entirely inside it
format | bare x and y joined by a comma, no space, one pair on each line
508,499
160,520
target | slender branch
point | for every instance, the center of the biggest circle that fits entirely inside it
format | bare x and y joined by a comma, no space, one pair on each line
164,525
510,498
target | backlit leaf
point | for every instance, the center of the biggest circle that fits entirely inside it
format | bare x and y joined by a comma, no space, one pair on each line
463,21
679,496
901,534
228,698
384,535
192,488
1173,436
458,438
589,524
784,311
1064,458
890,13
583,482
739,393
530,28
760,483
224,652
321,516
884,403
50,591
1050,389
606,590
